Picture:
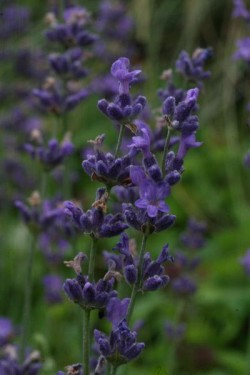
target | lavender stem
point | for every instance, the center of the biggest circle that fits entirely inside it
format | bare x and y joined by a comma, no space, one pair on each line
87,313
86,340
165,151
119,141
113,370
27,300
138,283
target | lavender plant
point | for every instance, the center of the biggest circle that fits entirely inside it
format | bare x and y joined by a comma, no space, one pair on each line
148,213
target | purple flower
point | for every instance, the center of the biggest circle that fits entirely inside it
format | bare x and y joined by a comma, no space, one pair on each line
53,155
243,50
53,288
89,295
94,221
246,160
31,366
152,197
240,10
139,219
123,110
187,142
193,67
184,285
121,346
107,169
116,310
245,262
69,64
6,331
174,331
193,237
72,33
153,272
120,70
40,215
142,141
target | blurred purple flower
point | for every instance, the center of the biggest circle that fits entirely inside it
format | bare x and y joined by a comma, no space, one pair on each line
245,262
53,288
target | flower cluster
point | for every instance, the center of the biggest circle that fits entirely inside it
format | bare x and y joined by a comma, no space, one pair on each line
87,294
124,109
153,272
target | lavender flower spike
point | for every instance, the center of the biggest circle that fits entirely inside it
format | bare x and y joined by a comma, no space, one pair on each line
120,70
121,347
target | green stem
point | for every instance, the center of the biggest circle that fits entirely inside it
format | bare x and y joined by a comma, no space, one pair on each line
44,185
138,283
61,9
87,313
248,348
92,254
86,340
27,301
165,151
113,370
119,141
171,365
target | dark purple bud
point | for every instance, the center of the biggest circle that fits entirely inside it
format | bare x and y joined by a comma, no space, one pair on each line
89,292
155,173
114,112
127,112
134,351
73,290
173,177
155,282
168,107
104,347
130,274
165,222
103,105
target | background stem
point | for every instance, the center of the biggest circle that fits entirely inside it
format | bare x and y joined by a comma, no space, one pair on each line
86,340
119,141
165,151
27,300
138,283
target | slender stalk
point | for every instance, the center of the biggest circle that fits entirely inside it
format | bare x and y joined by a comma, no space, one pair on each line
119,141
113,370
248,347
87,313
27,300
138,283
92,254
171,365
44,184
165,151
61,9
86,340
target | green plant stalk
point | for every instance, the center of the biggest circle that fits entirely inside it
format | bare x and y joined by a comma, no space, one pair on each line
86,340
119,141
248,348
87,313
44,184
138,283
113,370
171,365
165,151
27,300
